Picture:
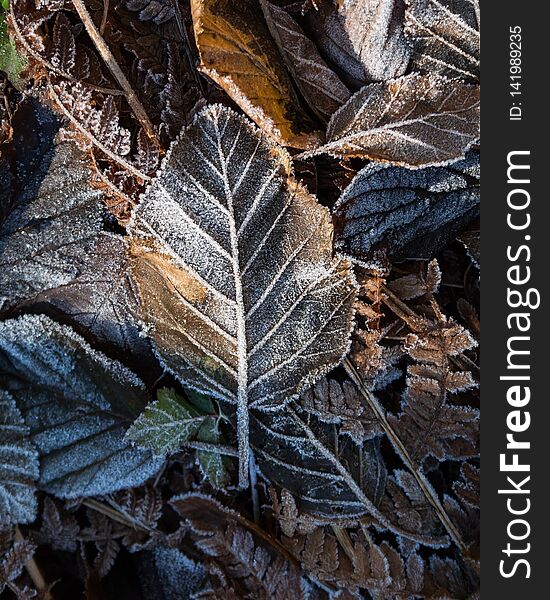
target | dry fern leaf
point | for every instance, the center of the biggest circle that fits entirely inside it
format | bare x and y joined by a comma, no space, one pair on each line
18,466
77,404
238,53
429,424
318,83
445,37
363,38
409,213
257,566
416,120
233,262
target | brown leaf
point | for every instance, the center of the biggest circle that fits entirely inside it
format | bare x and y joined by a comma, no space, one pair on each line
319,84
363,38
238,53
416,120
445,37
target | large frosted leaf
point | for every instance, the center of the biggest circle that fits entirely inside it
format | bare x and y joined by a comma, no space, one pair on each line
49,216
233,262
445,36
411,213
319,84
77,404
238,53
416,120
363,38
18,466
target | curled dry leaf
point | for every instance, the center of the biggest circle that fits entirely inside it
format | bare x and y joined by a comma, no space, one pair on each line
18,466
364,39
77,404
445,37
410,213
318,83
416,120
233,262
238,53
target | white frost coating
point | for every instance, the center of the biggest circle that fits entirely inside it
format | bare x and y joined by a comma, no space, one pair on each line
445,37
411,212
414,121
274,310
51,227
77,404
18,466
364,38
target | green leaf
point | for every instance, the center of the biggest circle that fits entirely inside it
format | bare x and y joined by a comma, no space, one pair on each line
11,62
77,404
18,466
166,423
212,464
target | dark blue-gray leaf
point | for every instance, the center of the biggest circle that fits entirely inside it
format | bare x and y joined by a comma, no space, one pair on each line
77,404
410,213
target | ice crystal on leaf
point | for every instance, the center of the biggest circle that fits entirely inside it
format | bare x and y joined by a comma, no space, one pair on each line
77,404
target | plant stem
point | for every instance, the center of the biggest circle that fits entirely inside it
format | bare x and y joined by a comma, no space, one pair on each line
34,572
405,456
116,71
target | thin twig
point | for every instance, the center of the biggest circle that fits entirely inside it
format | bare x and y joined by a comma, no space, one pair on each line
34,572
116,515
253,487
343,537
116,71
405,456
104,17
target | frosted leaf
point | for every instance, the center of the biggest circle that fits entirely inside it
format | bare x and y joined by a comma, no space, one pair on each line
319,84
416,120
49,215
18,466
233,263
298,453
445,37
213,465
77,404
165,424
412,213
238,53
170,573
363,38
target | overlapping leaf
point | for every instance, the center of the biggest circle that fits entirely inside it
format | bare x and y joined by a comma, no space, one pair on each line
18,466
444,36
411,213
49,216
416,120
363,38
319,84
77,404
238,53
234,267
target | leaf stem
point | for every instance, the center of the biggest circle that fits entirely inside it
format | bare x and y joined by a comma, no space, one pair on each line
404,454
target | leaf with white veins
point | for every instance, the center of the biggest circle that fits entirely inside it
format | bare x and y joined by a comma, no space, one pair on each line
233,263
416,120
319,84
445,37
